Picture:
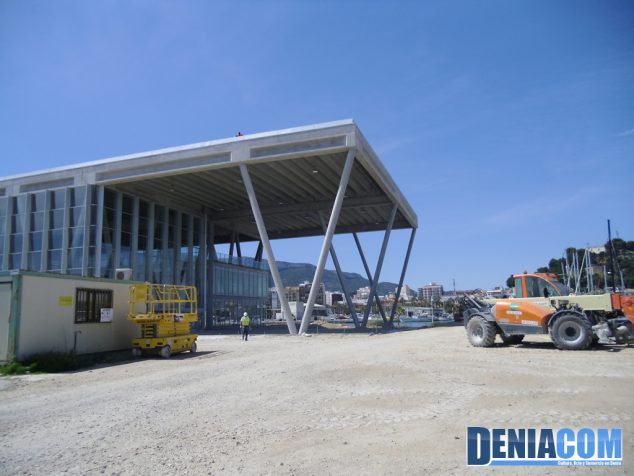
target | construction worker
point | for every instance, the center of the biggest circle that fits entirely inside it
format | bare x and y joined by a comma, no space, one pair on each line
244,323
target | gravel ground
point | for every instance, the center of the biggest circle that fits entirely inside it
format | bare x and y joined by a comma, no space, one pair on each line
329,404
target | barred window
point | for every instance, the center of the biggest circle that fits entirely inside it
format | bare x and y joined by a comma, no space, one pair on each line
90,302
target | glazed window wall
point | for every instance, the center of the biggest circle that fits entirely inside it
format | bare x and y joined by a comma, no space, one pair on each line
159,252
107,234
46,230
76,228
18,215
56,230
4,202
238,289
36,229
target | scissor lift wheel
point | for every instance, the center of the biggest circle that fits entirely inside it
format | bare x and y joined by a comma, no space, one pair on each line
166,352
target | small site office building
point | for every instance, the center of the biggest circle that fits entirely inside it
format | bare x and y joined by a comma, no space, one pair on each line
157,216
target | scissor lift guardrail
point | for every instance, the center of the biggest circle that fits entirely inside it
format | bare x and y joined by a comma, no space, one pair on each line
165,314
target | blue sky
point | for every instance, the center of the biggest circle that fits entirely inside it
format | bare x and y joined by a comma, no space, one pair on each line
509,125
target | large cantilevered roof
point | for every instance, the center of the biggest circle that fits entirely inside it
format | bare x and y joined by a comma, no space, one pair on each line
295,174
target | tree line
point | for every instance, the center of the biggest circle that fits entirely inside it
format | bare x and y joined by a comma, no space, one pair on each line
622,255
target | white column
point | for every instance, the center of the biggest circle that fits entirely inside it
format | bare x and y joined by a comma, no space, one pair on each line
264,237
330,231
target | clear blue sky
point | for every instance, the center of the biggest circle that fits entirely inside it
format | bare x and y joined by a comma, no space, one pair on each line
509,125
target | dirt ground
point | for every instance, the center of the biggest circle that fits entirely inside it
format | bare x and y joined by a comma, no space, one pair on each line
330,404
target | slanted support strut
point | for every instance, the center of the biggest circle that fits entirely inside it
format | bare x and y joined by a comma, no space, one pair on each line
330,231
369,275
264,237
400,282
379,265
342,281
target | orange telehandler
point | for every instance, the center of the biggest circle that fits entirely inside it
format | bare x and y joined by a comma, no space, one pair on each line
543,305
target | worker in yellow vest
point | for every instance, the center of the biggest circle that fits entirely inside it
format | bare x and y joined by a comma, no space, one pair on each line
244,323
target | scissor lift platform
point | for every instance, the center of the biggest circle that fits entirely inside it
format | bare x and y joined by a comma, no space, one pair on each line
165,314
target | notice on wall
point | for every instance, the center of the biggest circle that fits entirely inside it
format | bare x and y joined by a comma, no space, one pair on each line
65,301
106,314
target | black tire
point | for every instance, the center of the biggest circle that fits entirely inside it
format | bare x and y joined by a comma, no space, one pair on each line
166,352
193,348
571,331
511,340
480,332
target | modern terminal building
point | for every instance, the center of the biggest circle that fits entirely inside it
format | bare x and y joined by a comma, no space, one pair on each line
157,216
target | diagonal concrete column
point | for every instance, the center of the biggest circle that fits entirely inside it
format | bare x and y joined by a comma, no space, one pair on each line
342,281
330,231
264,237
369,275
379,265
400,282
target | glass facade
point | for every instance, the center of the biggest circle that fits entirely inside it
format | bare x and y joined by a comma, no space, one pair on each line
92,231
239,285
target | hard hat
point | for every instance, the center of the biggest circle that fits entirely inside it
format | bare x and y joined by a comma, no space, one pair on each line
245,314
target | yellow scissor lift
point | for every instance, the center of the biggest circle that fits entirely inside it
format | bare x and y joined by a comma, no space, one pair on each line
165,314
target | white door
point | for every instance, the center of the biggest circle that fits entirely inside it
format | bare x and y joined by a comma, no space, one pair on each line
5,312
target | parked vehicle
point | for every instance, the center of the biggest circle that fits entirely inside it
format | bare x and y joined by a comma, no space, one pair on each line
543,305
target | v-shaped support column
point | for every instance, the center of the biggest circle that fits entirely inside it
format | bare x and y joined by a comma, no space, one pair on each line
332,224
264,237
400,282
368,273
377,274
342,280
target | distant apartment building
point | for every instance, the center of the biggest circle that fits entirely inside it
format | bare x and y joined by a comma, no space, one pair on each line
298,293
332,299
362,294
430,291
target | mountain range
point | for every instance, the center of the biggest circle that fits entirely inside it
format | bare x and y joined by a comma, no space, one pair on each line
294,274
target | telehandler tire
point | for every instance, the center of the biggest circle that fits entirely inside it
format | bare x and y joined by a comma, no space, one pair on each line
480,332
514,339
571,331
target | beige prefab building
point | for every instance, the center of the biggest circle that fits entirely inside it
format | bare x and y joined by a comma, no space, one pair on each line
43,312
